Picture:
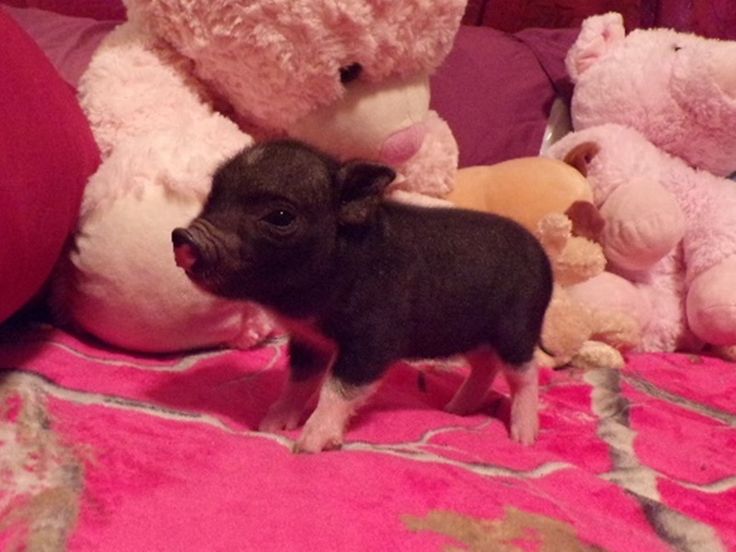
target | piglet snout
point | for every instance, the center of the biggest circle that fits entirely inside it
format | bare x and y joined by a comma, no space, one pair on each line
186,251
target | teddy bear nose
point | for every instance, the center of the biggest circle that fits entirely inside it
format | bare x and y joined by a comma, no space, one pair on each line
186,251
403,144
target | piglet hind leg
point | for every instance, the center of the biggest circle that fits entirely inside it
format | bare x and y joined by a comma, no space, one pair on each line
524,384
484,365
325,428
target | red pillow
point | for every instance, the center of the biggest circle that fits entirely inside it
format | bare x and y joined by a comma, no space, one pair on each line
47,153
68,42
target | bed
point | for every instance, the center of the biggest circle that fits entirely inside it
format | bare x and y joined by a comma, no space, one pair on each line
102,449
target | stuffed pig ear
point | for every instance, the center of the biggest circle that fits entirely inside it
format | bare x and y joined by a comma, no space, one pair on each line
598,35
361,186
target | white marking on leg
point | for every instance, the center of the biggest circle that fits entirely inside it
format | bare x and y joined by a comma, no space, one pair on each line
286,412
484,365
325,428
524,384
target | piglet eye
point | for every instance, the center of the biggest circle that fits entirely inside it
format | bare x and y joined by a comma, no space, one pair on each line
280,218
677,48
350,72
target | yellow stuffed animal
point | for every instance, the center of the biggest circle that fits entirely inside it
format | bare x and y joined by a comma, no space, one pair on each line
553,199
523,189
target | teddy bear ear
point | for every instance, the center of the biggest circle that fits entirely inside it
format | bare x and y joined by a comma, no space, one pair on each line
587,221
598,35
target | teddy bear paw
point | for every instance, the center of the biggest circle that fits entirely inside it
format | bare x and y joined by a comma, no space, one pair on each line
711,304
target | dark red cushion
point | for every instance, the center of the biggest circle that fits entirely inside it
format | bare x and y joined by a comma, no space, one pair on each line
495,90
94,9
68,42
47,153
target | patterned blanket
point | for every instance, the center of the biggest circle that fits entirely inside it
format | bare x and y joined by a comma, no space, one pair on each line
103,450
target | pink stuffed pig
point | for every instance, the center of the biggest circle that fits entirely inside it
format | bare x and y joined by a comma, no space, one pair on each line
661,108
185,84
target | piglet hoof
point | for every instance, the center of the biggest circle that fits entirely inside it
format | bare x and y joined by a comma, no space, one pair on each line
524,420
525,433
280,417
316,438
313,446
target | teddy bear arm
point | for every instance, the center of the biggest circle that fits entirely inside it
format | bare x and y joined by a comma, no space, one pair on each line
595,355
566,327
617,329
181,160
580,260
130,88
432,170
711,304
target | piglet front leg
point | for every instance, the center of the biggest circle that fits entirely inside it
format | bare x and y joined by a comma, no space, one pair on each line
286,412
325,428
308,361
524,384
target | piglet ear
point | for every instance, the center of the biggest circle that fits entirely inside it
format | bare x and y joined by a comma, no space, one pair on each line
361,186
598,35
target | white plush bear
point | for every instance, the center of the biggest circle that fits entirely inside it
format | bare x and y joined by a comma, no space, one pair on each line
185,84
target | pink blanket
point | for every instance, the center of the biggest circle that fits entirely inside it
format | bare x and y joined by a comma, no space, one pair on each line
103,450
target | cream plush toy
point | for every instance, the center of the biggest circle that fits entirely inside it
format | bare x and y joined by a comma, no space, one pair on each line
661,108
184,85
574,333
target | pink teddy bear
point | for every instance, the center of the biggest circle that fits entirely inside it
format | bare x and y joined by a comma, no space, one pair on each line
658,109
185,84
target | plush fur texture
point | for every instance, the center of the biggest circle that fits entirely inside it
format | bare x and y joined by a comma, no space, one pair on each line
661,107
314,240
184,85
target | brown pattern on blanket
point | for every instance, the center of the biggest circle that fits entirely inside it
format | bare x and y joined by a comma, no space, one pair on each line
41,478
504,534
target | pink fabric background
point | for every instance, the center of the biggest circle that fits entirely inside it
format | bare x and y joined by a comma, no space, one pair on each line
67,41
711,18
94,9
132,453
